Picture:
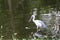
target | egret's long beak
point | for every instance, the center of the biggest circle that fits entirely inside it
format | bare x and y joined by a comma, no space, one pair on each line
30,18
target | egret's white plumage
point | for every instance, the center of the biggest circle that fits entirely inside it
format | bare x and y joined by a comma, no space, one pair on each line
38,23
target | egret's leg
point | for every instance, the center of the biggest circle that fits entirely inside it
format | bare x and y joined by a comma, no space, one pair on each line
38,29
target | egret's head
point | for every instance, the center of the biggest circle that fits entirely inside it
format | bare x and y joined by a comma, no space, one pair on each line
32,18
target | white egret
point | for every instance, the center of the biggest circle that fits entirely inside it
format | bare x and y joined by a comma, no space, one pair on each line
38,23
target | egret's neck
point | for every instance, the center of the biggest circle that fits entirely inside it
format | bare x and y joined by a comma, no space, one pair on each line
33,18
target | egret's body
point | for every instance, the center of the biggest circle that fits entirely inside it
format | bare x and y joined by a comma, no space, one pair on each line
38,23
